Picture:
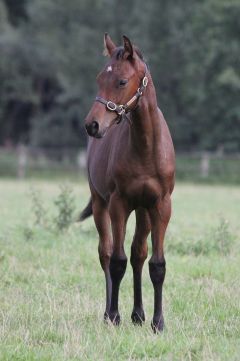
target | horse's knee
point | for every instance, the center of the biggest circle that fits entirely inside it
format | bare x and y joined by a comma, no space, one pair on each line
117,268
104,256
104,261
157,271
138,255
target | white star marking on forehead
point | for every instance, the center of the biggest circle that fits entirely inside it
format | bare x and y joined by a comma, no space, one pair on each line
109,68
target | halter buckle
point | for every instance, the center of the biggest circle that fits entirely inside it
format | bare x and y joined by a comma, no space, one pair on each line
122,110
111,106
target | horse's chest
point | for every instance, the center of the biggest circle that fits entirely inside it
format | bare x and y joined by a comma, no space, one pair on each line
139,190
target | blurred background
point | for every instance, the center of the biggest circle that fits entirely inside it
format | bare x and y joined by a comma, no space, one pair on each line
51,52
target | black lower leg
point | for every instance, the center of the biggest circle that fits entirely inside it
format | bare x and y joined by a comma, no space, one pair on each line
157,274
108,293
138,315
117,270
105,261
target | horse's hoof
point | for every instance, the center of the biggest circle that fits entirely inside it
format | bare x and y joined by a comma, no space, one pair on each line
138,317
106,317
114,318
157,325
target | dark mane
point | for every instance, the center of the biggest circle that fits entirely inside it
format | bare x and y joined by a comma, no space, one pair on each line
120,51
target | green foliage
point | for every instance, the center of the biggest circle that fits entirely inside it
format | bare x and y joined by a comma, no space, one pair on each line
60,134
28,234
219,240
52,53
16,11
223,237
65,208
38,209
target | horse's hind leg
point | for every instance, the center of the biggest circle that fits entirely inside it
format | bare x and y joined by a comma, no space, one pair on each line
159,216
138,256
102,221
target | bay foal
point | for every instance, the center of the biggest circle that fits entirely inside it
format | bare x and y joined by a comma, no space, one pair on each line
131,167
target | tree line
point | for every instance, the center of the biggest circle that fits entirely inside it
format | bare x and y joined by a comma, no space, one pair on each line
51,52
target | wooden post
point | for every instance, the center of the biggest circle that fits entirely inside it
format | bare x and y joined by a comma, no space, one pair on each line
82,160
22,161
205,165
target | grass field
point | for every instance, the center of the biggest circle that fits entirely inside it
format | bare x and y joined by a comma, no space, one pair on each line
52,287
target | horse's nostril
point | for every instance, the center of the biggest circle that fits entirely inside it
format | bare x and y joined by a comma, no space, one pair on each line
95,127
92,128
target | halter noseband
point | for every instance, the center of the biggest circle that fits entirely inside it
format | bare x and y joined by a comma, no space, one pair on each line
122,109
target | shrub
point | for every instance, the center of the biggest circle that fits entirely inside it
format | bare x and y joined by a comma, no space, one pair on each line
37,207
65,208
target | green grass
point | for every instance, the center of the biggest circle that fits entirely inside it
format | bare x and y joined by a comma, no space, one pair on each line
52,287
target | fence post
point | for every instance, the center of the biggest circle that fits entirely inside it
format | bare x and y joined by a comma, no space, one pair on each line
82,160
205,165
22,161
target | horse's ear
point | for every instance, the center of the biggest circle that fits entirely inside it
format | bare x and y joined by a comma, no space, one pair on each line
128,48
109,45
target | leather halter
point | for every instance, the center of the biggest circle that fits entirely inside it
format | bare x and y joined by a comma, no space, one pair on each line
122,109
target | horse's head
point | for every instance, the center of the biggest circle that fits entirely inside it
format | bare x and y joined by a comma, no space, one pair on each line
120,84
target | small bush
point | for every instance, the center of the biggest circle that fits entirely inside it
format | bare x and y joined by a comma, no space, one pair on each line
28,234
65,207
37,207
222,237
217,240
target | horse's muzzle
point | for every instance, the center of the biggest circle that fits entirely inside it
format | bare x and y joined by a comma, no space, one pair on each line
92,128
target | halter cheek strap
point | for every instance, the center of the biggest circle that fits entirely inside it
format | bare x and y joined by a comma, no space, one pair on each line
121,109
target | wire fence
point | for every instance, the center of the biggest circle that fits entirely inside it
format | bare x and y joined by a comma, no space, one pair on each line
210,167
31,162
27,162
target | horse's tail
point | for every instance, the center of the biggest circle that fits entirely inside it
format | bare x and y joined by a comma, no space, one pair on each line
87,212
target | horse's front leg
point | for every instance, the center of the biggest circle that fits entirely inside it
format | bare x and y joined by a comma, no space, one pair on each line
102,221
138,255
159,215
119,213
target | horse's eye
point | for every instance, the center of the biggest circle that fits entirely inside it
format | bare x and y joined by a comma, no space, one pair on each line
123,82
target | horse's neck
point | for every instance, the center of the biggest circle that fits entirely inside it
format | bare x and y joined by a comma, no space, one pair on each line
145,121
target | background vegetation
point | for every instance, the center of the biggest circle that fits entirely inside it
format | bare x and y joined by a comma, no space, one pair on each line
51,53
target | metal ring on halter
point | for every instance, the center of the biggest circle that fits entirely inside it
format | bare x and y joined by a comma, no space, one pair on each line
145,81
139,91
111,106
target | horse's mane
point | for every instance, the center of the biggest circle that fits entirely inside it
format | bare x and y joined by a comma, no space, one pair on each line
120,52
